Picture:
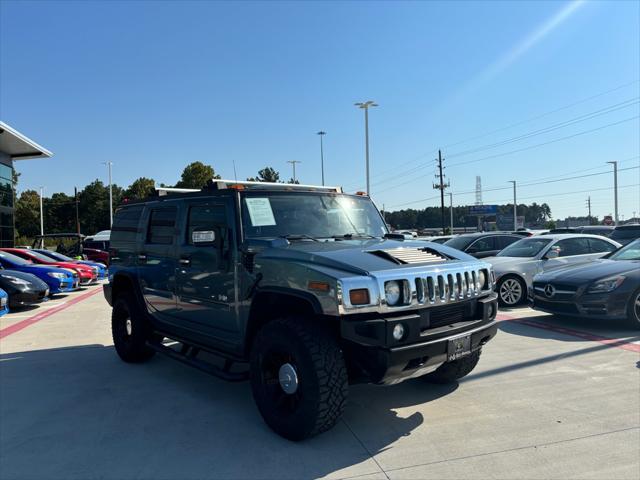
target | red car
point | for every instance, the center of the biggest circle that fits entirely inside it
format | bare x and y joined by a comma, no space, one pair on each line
87,273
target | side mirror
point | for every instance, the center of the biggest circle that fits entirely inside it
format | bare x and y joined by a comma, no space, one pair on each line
551,254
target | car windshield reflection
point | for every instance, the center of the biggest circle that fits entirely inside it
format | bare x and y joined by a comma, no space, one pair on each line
525,248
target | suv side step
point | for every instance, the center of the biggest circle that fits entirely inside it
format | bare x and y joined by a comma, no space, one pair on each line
188,355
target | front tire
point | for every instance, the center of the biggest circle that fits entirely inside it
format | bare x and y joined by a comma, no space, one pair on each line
130,330
298,377
512,291
633,310
450,372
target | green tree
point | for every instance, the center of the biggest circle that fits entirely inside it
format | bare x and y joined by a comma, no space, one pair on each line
140,188
267,174
59,213
196,175
94,206
291,180
27,214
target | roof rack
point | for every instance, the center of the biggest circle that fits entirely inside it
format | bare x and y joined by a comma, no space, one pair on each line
221,184
162,191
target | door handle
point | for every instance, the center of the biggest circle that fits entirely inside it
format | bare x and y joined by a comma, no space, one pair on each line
185,261
142,258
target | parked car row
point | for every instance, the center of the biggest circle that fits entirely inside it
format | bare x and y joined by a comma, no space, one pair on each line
567,274
29,276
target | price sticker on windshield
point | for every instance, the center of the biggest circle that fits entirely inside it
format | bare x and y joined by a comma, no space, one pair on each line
260,212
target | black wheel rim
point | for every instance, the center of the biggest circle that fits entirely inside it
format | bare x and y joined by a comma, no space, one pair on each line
283,403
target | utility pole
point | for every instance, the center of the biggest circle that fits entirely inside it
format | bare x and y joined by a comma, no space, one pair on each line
451,211
293,163
589,207
365,106
109,164
515,207
322,134
441,186
41,218
615,190
75,191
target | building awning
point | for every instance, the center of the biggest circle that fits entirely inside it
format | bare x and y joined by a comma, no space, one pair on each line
19,147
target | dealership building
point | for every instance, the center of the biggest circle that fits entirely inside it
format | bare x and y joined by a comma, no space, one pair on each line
14,146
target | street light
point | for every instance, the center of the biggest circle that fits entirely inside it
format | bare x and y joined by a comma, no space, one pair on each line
615,189
109,164
322,134
41,219
515,207
293,163
365,106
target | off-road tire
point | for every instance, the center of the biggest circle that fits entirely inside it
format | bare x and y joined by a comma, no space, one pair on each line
633,315
322,389
523,290
450,372
131,348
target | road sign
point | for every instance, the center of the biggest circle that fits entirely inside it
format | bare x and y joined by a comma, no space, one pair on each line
607,220
480,210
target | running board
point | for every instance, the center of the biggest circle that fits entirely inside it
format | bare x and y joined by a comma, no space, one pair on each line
188,355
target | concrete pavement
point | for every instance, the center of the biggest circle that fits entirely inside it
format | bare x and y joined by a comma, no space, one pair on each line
542,404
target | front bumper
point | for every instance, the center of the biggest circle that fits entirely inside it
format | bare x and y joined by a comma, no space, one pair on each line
375,356
602,305
31,297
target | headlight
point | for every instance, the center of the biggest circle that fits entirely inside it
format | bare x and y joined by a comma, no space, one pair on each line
392,292
58,275
482,280
16,280
606,285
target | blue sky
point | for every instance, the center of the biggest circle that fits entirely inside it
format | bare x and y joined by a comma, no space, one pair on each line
509,90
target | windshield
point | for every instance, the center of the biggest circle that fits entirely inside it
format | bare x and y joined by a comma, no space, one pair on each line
55,256
310,215
630,252
9,257
625,233
525,248
460,243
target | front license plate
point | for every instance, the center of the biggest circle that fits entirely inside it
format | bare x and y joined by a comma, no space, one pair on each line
458,347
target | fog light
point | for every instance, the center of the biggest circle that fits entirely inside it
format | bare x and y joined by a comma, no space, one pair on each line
398,331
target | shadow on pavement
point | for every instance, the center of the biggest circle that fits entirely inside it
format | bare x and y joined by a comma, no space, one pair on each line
80,412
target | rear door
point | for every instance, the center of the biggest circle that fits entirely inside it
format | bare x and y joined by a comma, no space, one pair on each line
205,273
157,261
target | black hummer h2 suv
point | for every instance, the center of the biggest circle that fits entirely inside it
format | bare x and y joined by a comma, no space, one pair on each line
301,289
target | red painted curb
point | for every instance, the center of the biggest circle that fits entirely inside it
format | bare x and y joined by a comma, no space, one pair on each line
16,327
612,342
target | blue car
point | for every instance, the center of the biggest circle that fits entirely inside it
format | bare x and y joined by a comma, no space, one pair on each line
58,257
4,302
58,279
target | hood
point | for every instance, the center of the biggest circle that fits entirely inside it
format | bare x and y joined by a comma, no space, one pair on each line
588,272
34,281
359,256
43,269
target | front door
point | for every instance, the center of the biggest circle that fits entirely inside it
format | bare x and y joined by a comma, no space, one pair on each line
205,274
570,251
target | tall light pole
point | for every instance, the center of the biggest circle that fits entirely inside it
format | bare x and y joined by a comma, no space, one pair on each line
41,218
615,190
515,207
322,134
108,164
451,211
365,106
293,163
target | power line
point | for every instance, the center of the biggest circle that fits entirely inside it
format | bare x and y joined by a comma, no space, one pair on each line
507,127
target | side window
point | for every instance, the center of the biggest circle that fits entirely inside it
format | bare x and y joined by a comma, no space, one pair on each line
203,224
482,245
162,223
125,226
572,246
504,241
598,246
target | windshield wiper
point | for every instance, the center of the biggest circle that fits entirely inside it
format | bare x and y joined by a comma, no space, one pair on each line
349,236
301,236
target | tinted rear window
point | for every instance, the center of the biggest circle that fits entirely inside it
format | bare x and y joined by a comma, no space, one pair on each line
125,226
625,233
162,222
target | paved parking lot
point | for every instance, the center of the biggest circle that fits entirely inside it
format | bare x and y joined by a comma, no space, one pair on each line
551,398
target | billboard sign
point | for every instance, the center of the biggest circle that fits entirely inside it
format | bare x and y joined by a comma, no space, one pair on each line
480,210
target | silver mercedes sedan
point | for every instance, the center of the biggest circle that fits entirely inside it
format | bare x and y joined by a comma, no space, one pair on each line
516,265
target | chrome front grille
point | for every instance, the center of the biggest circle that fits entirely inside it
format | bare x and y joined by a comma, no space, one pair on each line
448,287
